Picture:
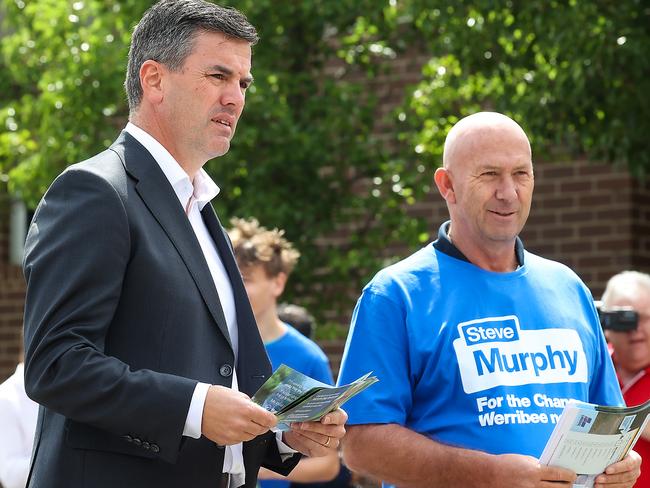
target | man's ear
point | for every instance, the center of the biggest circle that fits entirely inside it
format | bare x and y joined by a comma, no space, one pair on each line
445,185
279,282
151,81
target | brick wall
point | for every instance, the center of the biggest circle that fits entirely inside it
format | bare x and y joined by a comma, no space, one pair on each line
591,217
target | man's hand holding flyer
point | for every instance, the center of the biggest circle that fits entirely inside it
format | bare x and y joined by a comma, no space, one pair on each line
588,438
295,397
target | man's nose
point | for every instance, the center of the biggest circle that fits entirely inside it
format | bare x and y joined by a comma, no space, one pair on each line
233,94
507,189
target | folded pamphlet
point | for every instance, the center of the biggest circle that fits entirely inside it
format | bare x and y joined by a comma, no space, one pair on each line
588,438
295,397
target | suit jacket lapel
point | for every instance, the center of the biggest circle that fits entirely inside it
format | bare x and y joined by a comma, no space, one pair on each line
253,366
159,197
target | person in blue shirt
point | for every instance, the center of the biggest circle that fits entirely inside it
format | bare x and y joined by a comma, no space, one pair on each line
477,343
266,259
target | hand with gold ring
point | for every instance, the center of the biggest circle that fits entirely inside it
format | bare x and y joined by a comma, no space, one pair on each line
317,438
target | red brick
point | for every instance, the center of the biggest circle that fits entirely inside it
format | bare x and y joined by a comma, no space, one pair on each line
594,199
593,230
558,233
543,249
576,247
539,219
615,214
557,172
595,169
581,186
545,188
614,244
554,203
595,261
618,183
573,216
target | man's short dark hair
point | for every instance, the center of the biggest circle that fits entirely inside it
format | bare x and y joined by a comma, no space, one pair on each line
167,31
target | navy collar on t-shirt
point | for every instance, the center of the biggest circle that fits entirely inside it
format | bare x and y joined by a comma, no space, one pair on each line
444,245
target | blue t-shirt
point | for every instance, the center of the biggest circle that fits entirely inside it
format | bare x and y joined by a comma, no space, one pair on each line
302,354
474,358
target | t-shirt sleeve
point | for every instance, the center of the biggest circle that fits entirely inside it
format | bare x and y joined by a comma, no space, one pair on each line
378,342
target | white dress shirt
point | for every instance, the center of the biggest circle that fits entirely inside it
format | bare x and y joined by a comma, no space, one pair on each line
193,196
18,415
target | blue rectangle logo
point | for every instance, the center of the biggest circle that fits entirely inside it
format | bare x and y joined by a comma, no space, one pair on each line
481,332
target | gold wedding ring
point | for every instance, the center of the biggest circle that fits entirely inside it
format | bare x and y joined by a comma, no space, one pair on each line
328,441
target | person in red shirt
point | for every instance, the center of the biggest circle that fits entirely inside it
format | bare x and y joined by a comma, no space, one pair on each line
631,350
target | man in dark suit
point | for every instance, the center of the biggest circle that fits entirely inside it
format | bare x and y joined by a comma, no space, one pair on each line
141,345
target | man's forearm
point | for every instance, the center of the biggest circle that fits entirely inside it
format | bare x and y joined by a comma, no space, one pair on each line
410,460
310,470
405,458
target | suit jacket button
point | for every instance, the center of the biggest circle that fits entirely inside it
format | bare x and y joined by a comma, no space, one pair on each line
128,438
146,445
137,441
155,448
225,370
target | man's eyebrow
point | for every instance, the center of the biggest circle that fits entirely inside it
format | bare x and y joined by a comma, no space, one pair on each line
489,167
497,167
227,71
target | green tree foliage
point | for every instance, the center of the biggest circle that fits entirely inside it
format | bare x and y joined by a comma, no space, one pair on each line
307,156
573,73
304,149
61,96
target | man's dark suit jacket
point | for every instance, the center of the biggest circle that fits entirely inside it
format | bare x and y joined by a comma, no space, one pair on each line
122,319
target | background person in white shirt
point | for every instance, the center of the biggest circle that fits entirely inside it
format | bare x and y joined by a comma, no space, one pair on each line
18,414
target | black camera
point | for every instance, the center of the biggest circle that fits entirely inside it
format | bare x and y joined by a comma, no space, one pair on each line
619,319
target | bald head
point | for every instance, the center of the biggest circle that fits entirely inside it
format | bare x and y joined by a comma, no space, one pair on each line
487,181
475,131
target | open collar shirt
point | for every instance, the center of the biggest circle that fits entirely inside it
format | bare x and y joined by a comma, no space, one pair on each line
193,196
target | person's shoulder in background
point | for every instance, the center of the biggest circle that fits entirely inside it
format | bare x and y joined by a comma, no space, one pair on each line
302,354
